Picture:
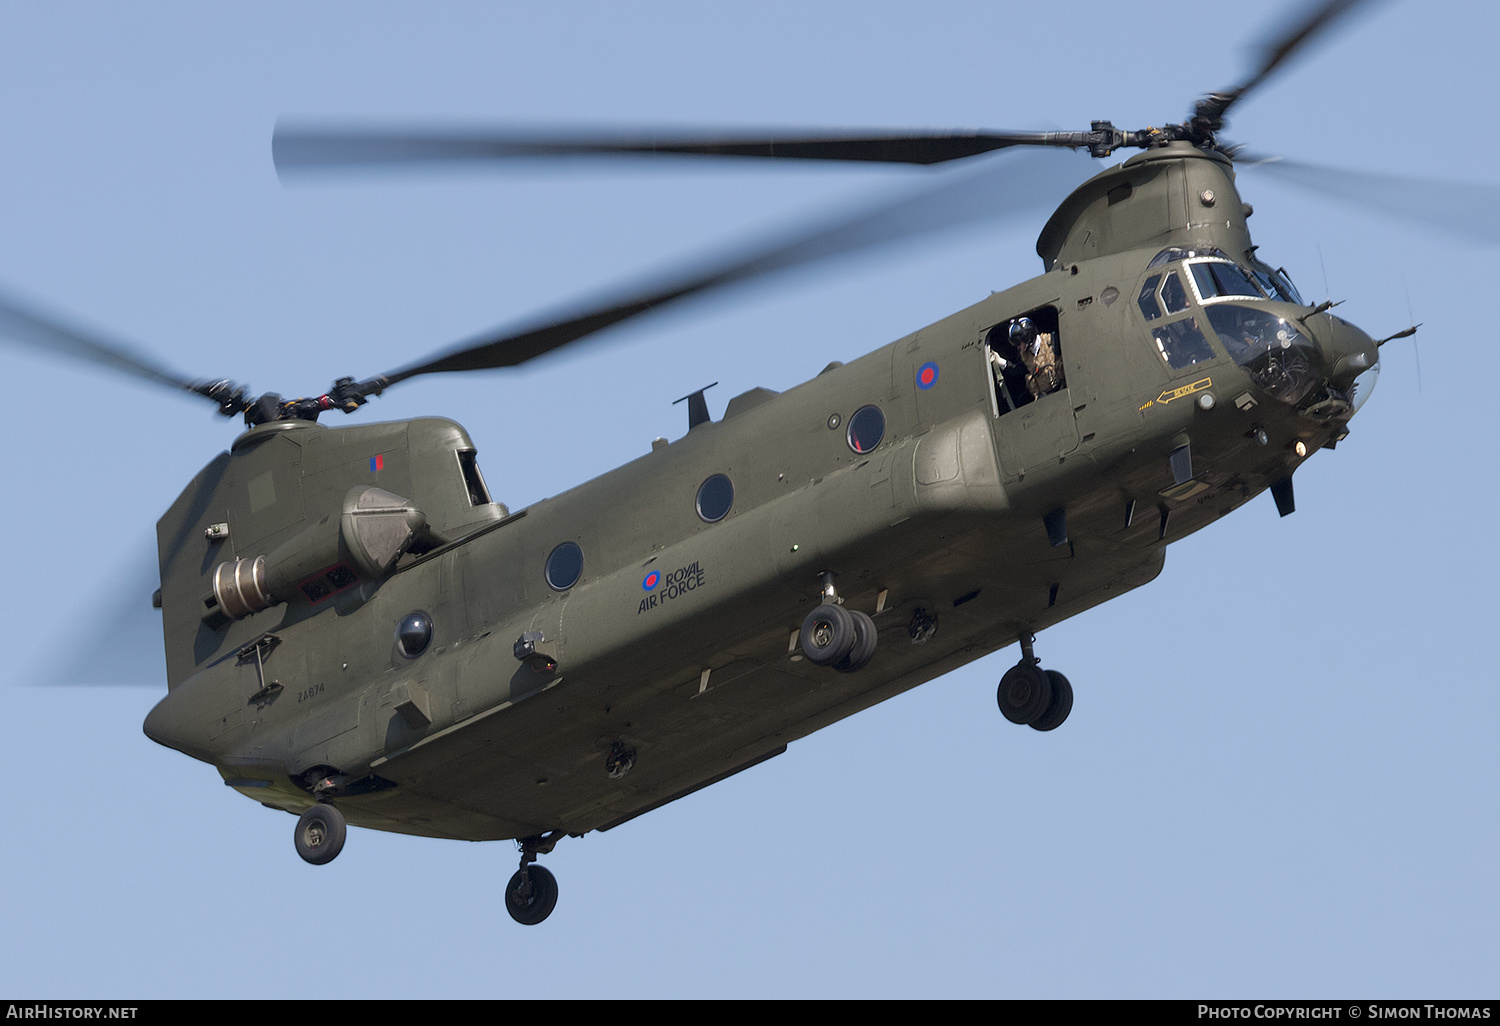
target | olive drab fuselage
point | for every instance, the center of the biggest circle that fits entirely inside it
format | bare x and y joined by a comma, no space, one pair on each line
450,668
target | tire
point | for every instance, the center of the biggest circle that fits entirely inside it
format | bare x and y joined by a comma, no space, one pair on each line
865,639
1024,693
1062,703
531,908
828,634
320,834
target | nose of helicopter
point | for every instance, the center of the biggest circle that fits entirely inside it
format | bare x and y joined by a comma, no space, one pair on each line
1320,364
1351,359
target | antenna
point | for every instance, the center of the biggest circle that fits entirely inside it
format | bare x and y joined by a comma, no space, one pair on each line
697,407
1413,318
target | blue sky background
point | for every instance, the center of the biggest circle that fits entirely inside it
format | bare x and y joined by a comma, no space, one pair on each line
1280,775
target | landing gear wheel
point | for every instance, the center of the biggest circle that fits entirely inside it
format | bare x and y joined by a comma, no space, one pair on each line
1024,693
531,895
828,634
1062,703
320,834
865,637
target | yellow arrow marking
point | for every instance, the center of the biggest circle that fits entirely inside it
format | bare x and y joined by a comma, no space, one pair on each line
1178,393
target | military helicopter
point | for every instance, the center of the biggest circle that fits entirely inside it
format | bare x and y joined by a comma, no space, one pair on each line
542,673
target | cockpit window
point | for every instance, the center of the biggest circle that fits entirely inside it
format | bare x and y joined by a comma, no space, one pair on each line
1173,294
1221,278
1181,344
1280,359
1147,299
1179,341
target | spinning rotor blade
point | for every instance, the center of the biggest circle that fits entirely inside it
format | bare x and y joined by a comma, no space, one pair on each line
1312,18
300,148
296,148
123,647
51,335
40,331
991,191
1470,210
1316,16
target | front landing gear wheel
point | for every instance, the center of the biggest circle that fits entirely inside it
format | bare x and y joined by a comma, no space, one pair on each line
1024,693
320,834
531,895
1062,703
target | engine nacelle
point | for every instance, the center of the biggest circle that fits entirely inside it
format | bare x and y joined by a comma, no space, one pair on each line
370,535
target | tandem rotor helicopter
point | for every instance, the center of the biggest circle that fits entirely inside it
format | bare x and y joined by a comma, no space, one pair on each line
356,631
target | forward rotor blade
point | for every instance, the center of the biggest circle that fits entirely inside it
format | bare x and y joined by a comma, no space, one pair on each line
989,191
297,148
29,327
1315,16
1305,22
1469,210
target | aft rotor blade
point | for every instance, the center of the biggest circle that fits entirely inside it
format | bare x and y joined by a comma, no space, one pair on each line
1304,23
989,191
122,647
1470,210
298,148
29,327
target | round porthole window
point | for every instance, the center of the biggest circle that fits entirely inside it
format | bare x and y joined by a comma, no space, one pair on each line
715,496
564,566
414,633
866,429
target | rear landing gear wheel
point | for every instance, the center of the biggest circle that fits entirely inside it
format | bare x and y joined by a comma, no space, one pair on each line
1062,703
320,834
1024,693
828,634
531,895
865,638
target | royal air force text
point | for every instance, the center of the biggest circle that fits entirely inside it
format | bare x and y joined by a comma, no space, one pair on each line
673,584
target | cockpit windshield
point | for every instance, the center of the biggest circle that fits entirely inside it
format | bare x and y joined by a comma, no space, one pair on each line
1217,276
1276,283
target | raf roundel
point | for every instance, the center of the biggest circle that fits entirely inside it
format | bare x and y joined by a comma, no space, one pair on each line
651,581
927,375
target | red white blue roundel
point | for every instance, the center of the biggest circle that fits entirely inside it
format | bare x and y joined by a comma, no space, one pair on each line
651,581
927,375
